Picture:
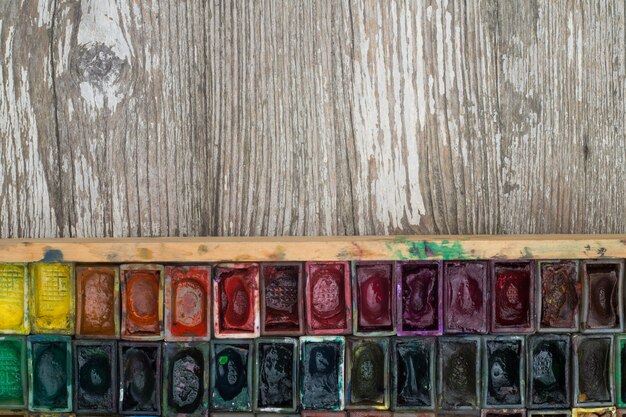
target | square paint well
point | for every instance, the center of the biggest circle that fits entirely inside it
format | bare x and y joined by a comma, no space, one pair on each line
458,374
276,374
282,309
512,302
142,301
367,365
373,297
419,298
97,301
558,296
187,303
593,370
13,375
50,373
322,364
14,298
413,373
328,298
236,301
95,376
186,379
549,371
231,375
140,378
602,296
466,297
52,298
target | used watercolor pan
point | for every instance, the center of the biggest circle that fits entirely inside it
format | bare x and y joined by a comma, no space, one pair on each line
353,327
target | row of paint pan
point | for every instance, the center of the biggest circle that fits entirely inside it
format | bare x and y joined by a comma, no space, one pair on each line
330,373
245,300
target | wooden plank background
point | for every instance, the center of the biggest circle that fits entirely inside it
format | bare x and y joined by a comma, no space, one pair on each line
183,118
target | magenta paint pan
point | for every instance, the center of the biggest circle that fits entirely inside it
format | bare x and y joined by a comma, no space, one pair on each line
512,296
328,298
466,297
236,312
419,296
373,298
282,309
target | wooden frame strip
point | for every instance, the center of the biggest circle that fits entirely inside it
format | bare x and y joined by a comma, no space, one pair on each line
259,249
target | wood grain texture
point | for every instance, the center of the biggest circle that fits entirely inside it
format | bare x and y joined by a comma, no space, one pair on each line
161,118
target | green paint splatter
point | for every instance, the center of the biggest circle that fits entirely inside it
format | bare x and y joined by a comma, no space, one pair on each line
223,360
415,250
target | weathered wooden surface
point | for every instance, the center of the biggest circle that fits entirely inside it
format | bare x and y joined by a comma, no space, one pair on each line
150,118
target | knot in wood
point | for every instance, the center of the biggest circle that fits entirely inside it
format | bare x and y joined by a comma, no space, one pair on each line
98,64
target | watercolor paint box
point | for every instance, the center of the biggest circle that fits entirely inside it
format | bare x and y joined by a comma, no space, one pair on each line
512,301
466,297
52,298
95,376
187,303
140,378
231,367
504,371
282,306
374,298
50,373
322,365
602,296
276,366
142,301
549,371
559,296
413,369
419,298
593,370
13,373
185,379
328,298
458,373
97,301
236,304
14,296
367,373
